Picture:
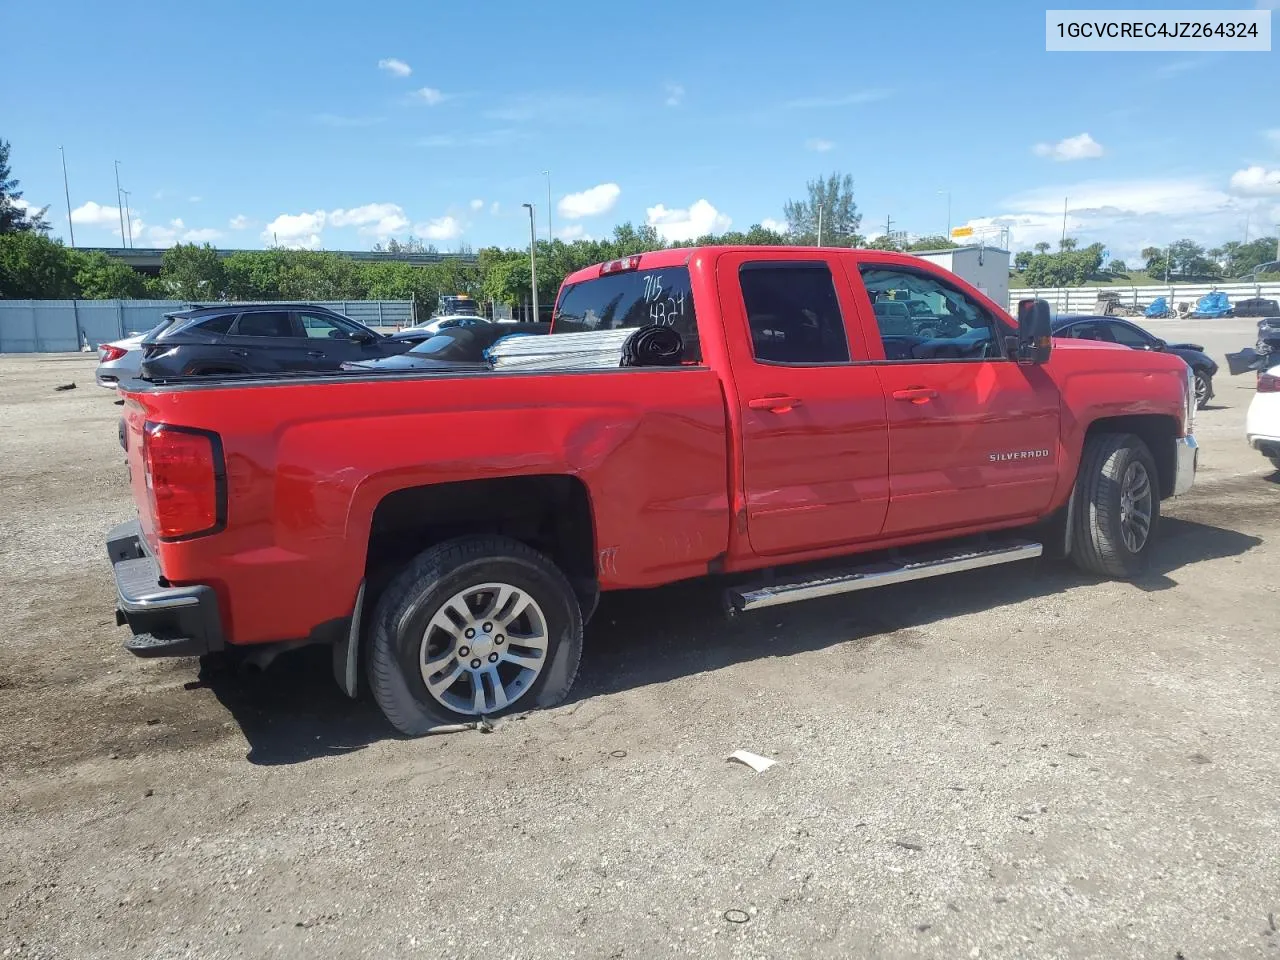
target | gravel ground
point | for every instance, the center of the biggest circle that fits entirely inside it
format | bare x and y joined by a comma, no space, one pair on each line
1013,762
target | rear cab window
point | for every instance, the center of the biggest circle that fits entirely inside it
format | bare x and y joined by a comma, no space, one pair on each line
634,298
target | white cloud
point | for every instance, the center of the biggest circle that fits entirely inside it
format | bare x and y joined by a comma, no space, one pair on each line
95,214
397,68
240,222
202,235
1081,147
574,231
373,219
1256,181
700,219
430,96
589,203
439,228
675,94
846,100
495,208
1126,215
296,230
777,226
818,145
477,204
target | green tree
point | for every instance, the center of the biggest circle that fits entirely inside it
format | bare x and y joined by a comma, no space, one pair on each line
1042,247
99,277
16,216
1067,244
34,267
1021,260
191,272
1187,260
840,216
936,242
1118,268
884,242
1239,259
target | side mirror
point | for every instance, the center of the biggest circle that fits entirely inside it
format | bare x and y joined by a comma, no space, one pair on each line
363,337
1035,336
1159,345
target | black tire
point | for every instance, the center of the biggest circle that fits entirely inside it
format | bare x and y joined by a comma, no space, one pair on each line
1097,540
1204,389
418,592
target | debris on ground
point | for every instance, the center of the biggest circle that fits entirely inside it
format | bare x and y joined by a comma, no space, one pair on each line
753,760
65,386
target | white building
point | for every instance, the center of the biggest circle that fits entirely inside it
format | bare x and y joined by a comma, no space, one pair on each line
986,268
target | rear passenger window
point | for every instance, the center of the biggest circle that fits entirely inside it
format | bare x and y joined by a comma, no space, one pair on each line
220,324
267,323
793,313
632,299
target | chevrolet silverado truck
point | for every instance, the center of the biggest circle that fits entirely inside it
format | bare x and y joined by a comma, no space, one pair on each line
448,534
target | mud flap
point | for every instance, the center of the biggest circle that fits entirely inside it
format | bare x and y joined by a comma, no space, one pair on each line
346,652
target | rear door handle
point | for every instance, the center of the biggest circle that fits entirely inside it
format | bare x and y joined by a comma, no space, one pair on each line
315,353
238,353
916,394
776,404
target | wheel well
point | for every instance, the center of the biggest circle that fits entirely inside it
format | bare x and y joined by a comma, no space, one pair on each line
551,513
1157,431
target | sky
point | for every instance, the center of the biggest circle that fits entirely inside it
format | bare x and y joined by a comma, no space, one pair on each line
340,125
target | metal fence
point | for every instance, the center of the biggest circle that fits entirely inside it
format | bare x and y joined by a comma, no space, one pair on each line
1082,299
57,326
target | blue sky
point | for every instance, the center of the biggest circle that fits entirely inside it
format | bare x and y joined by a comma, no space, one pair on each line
338,124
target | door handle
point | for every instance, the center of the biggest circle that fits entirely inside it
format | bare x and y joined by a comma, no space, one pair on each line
238,353
315,353
776,404
916,394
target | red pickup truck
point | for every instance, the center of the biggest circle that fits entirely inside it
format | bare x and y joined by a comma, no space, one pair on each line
452,532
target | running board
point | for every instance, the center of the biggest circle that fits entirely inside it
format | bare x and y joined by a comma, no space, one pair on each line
872,575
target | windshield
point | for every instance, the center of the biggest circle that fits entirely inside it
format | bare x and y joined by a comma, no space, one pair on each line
632,299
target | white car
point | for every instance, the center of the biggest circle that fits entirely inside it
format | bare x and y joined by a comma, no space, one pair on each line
1262,422
118,361
436,324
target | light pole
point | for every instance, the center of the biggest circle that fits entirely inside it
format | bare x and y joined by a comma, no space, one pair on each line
128,217
119,208
533,264
820,206
66,190
948,193
550,231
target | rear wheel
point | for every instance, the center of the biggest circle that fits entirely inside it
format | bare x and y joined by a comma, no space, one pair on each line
1204,389
1117,506
474,627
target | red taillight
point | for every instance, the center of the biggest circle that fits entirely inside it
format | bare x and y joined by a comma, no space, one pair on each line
1268,383
618,266
185,482
111,352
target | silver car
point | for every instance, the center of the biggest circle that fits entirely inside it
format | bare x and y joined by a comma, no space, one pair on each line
118,361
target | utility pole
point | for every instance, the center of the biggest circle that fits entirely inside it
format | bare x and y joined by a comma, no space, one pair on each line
128,217
119,208
551,235
887,224
1246,227
820,206
533,265
66,190
1064,223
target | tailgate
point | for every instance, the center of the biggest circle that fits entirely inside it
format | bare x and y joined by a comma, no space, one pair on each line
132,422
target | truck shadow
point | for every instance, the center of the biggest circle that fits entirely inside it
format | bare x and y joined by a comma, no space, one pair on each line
294,712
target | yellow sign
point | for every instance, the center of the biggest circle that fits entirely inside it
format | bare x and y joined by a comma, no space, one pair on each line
962,231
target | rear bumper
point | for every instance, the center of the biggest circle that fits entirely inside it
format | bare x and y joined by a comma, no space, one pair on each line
1188,453
165,621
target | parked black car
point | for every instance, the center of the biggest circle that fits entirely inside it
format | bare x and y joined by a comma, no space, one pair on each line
453,348
259,338
1112,330
1257,307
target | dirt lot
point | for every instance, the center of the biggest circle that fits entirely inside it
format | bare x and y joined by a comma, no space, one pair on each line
1018,762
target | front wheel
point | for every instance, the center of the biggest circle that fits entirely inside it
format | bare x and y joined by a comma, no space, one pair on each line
1117,506
1204,389
474,627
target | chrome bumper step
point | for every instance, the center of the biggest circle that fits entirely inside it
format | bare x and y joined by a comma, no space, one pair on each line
917,566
